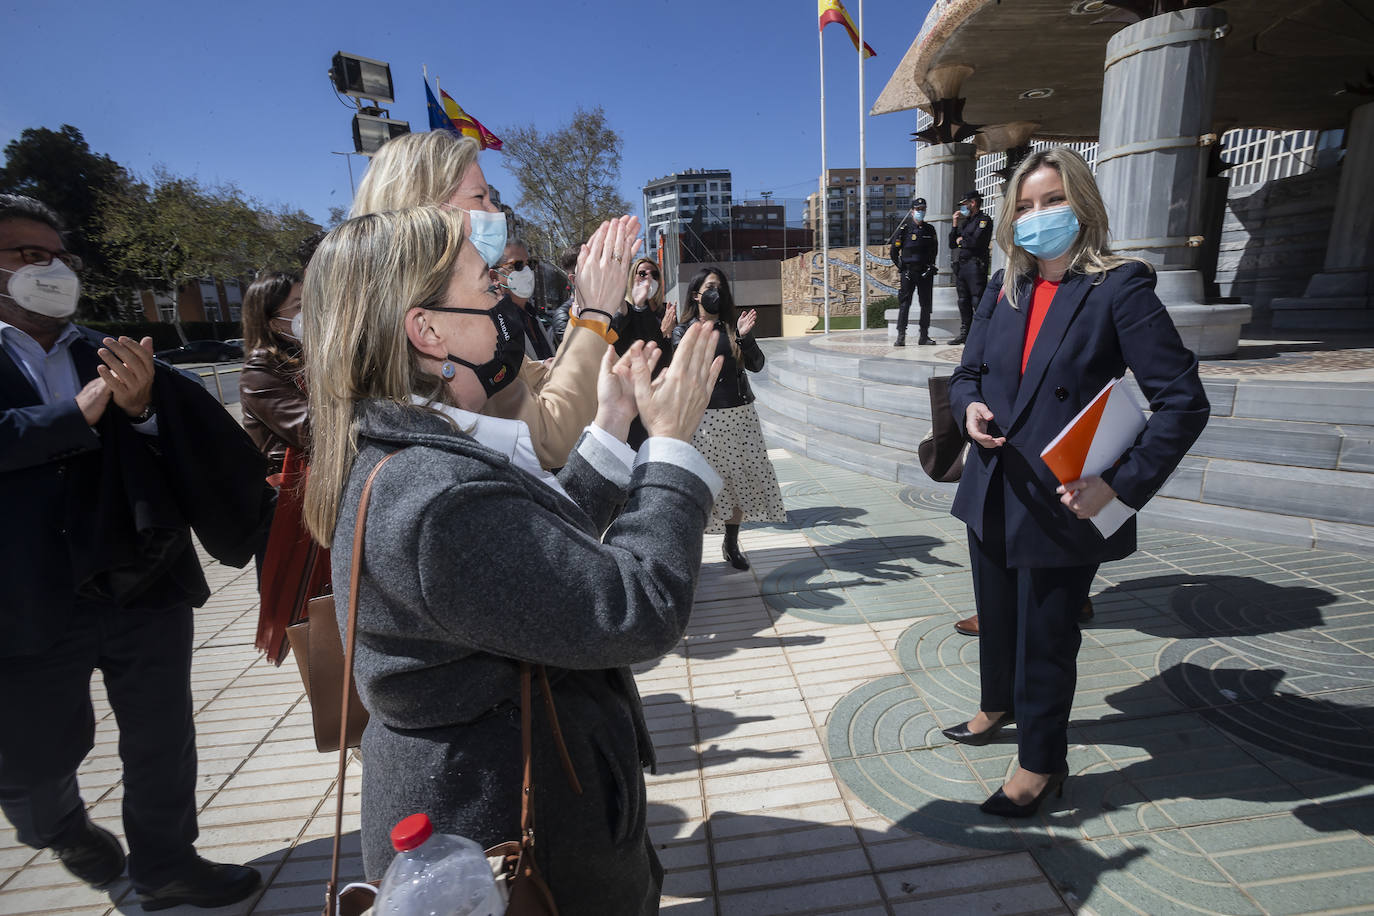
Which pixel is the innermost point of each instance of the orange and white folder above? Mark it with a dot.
(1095, 440)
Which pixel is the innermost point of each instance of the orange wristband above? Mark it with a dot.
(603, 331)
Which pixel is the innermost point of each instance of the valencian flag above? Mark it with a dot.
(467, 125)
(834, 11)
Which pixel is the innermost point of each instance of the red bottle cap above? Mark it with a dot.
(411, 832)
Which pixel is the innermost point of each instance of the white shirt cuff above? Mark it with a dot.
(148, 427)
(683, 455)
(607, 455)
(618, 449)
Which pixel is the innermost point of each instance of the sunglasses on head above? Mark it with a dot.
(646, 272)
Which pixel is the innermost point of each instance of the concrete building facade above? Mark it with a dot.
(697, 196)
(890, 192)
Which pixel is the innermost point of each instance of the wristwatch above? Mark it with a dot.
(148, 413)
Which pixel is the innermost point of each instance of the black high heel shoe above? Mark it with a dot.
(962, 734)
(1002, 806)
(734, 555)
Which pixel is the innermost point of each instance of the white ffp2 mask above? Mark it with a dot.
(50, 289)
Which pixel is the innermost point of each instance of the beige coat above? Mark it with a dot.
(556, 402)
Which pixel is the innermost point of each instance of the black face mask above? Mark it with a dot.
(710, 301)
(503, 368)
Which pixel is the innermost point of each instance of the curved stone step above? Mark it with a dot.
(1282, 423)
(1279, 460)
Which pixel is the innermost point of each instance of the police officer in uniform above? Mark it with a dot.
(970, 241)
(914, 249)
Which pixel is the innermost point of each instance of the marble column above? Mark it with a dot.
(1158, 94)
(944, 172)
(1341, 297)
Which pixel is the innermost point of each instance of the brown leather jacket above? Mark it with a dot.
(275, 408)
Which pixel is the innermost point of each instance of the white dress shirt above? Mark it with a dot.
(612, 458)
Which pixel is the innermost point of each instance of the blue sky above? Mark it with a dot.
(238, 91)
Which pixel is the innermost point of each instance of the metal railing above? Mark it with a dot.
(220, 379)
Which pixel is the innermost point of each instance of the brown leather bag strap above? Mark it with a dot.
(563, 756)
(526, 751)
(350, 640)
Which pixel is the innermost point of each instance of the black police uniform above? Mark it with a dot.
(970, 258)
(914, 251)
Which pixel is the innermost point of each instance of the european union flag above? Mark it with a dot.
(438, 120)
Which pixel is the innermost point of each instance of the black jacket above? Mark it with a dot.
(558, 322)
(103, 517)
(972, 238)
(915, 247)
(1092, 333)
(732, 385)
(644, 325)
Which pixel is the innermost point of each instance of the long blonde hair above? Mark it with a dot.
(655, 301)
(366, 275)
(414, 170)
(1091, 252)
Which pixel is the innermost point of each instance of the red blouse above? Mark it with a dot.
(1041, 298)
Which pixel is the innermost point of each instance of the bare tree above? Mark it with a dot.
(568, 178)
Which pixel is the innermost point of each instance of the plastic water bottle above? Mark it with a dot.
(436, 874)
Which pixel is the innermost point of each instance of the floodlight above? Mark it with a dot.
(362, 77)
(370, 132)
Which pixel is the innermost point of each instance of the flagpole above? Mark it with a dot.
(824, 202)
(863, 188)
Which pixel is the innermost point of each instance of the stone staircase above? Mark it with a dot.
(1281, 460)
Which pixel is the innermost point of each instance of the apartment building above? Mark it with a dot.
(890, 190)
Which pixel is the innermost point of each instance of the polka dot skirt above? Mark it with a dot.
(731, 441)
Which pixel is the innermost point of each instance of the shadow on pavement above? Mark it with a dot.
(709, 723)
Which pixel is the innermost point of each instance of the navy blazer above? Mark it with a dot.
(104, 517)
(1097, 327)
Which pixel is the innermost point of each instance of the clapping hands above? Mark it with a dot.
(603, 264)
(672, 404)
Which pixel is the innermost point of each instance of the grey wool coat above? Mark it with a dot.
(470, 566)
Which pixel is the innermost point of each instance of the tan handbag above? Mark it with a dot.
(527, 893)
(319, 651)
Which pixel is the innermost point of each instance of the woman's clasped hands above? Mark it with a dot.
(670, 405)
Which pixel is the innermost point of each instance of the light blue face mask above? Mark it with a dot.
(1047, 234)
(487, 235)
(964, 211)
(919, 214)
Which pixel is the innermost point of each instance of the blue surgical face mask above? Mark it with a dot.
(1047, 234)
(919, 214)
(964, 211)
(487, 235)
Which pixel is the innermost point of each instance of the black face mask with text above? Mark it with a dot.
(503, 368)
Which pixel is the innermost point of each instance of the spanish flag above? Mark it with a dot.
(467, 125)
(834, 11)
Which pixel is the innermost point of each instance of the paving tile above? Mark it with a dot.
(832, 896)
(801, 763)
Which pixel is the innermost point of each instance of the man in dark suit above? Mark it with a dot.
(108, 460)
(970, 242)
(913, 251)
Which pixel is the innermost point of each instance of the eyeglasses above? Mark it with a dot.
(516, 266)
(644, 274)
(42, 257)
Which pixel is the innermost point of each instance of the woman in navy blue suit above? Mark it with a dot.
(1069, 317)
